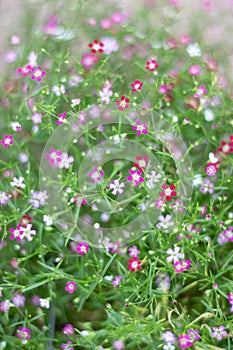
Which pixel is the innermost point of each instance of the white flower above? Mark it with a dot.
(197, 180)
(23, 157)
(75, 102)
(108, 278)
(193, 50)
(44, 303)
(3, 344)
(209, 115)
(59, 90)
(117, 186)
(212, 158)
(84, 333)
(18, 182)
(47, 220)
(16, 126)
(153, 178)
(32, 59)
(174, 255)
(169, 346)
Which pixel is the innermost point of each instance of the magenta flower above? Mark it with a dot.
(82, 248)
(60, 119)
(16, 233)
(185, 341)
(37, 73)
(68, 329)
(211, 169)
(200, 91)
(54, 157)
(7, 140)
(135, 176)
(79, 201)
(24, 334)
(67, 346)
(140, 127)
(70, 287)
(24, 71)
(181, 266)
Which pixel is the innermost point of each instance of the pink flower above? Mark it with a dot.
(96, 46)
(163, 89)
(38, 73)
(54, 157)
(135, 176)
(185, 39)
(82, 248)
(133, 251)
(24, 334)
(5, 305)
(137, 85)
(141, 128)
(96, 174)
(7, 140)
(181, 266)
(88, 60)
(134, 264)
(67, 346)
(117, 17)
(200, 91)
(36, 118)
(24, 71)
(218, 332)
(18, 300)
(70, 287)
(106, 23)
(61, 117)
(16, 233)
(79, 200)
(116, 282)
(122, 103)
(151, 65)
(4, 198)
(194, 70)
(185, 341)
(68, 329)
(168, 192)
(15, 40)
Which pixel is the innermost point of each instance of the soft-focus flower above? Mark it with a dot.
(218, 332)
